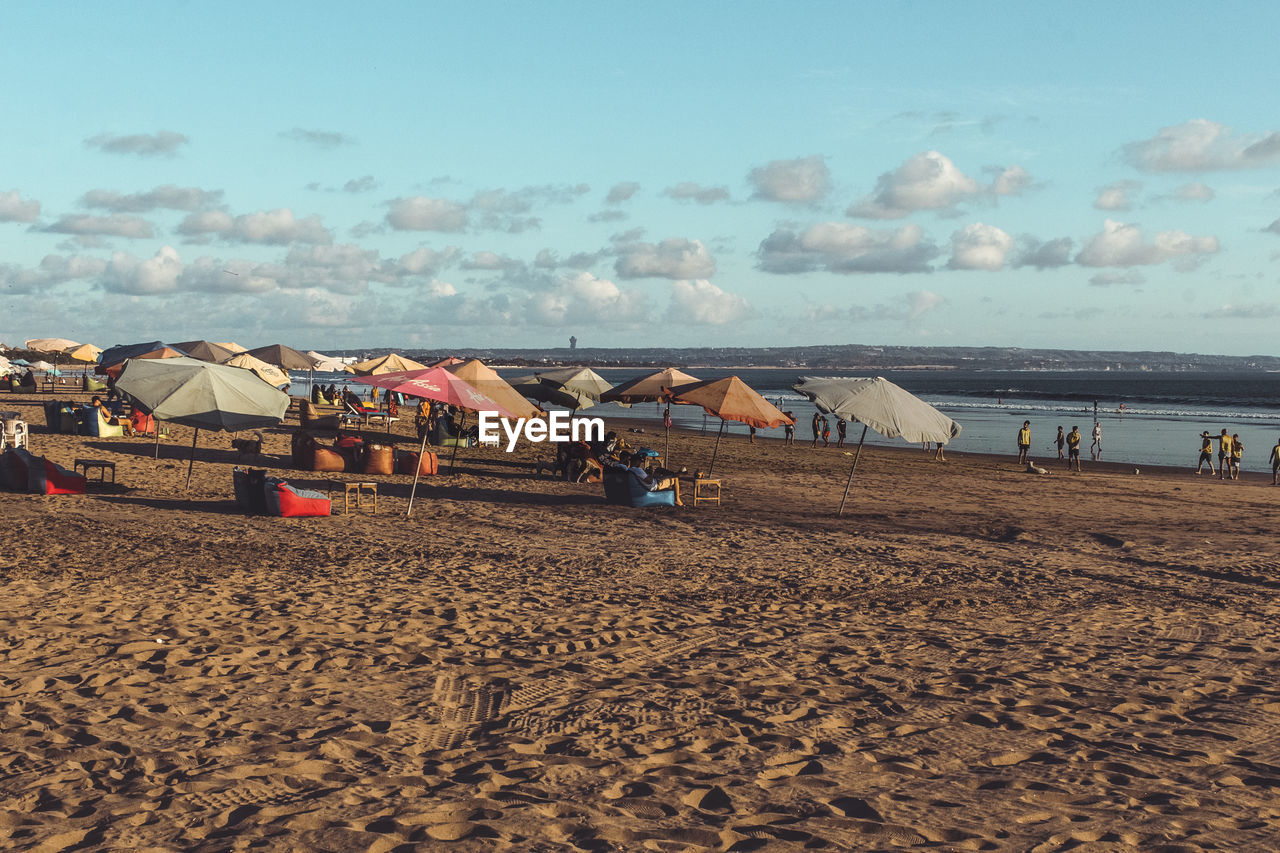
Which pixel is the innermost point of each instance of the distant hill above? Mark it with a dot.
(858, 356)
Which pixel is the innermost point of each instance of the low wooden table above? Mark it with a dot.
(101, 464)
(358, 489)
(702, 485)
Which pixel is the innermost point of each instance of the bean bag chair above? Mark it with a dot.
(407, 460)
(313, 418)
(90, 385)
(143, 424)
(377, 459)
(25, 472)
(89, 421)
(310, 455)
(625, 489)
(288, 501)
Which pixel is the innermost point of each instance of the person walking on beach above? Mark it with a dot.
(1061, 441)
(789, 429)
(1095, 448)
(841, 429)
(826, 432)
(1073, 448)
(1275, 465)
(1206, 453)
(817, 428)
(751, 437)
(1224, 455)
(1237, 454)
(1024, 443)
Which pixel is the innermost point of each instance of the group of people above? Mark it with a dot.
(1067, 443)
(1230, 454)
(822, 430)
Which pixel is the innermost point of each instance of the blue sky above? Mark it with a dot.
(667, 174)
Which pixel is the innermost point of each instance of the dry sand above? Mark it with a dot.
(974, 658)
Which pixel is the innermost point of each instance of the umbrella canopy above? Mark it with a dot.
(730, 399)
(206, 351)
(118, 353)
(284, 357)
(84, 353)
(50, 345)
(436, 383)
(532, 388)
(268, 373)
(495, 387)
(582, 383)
(647, 388)
(42, 365)
(116, 365)
(231, 345)
(878, 403)
(390, 363)
(448, 361)
(197, 394)
(326, 363)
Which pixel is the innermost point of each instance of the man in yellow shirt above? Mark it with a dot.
(1024, 443)
(1073, 448)
(1275, 465)
(1206, 453)
(1224, 455)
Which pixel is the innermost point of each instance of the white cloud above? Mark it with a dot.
(621, 192)
(689, 191)
(114, 225)
(585, 299)
(1046, 255)
(1111, 279)
(1121, 245)
(419, 213)
(1010, 181)
(344, 268)
(126, 274)
(841, 247)
(921, 302)
(805, 180)
(167, 196)
(165, 143)
(979, 247)
(490, 261)
(270, 227)
(1200, 145)
(13, 208)
(360, 185)
(675, 258)
(211, 275)
(318, 138)
(1255, 311)
(1194, 192)
(928, 181)
(427, 261)
(52, 271)
(701, 303)
(1117, 195)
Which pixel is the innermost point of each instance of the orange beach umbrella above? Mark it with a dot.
(728, 399)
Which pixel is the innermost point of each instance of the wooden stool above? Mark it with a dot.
(700, 486)
(358, 490)
(101, 464)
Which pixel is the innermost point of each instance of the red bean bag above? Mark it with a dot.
(287, 501)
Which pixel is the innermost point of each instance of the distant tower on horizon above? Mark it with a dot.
(573, 342)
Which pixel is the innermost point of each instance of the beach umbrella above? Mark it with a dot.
(21, 362)
(729, 399)
(206, 351)
(879, 404)
(326, 363)
(200, 395)
(582, 383)
(286, 358)
(390, 363)
(447, 361)
(487, 380)
(42, 365)
(116, 364)
(532, 388)
(51, 346)
(648, 389)
(231, 345)
(268, 373)
(438, 384)
(83, 353)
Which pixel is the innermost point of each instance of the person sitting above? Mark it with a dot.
(315, 394)
(108, 418)
(658, 481)
(28, 379)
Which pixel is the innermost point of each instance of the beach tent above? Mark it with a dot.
(884, 407)
(205, 351)
(390, 363)
(438, 384)
(268, 373)
(200, 395)
(728, 399)
(495, 387)
(649, 389)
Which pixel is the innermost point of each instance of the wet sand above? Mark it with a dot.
(973, 658)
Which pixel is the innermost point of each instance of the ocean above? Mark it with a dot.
(1147, 417)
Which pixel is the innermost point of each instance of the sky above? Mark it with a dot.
(1091, 176)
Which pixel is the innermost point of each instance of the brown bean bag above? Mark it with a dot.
(378, 459)
(308, 455)
(407, 459)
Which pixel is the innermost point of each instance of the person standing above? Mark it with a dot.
(817, 428)
(841, 429)
(789, 429)
(1095, 448)
(1206, 453)
(1237, 455)
(1275, 465)
(1073, 448)
(1224, 455)
(1024, 443)
(1061, 441)
(751, 439)
(826, 432)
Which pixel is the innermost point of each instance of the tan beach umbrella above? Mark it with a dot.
(729, 399)
(84, 353)
(390, 363)
(50, 345)
(232, 345)
(448, 361)
(326, 363)
(648, 389)
(582, 383)
(268, 373)
(283, 357)
(483, 377)
(206, 351)
(877, 403)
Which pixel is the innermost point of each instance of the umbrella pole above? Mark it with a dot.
(716, 449)
(856, 456)
(156, 426)
(416, 471)
(192, 463)
(462, 428)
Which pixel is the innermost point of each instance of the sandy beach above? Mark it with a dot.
(973, 658)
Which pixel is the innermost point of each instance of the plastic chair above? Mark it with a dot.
(14, 434)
